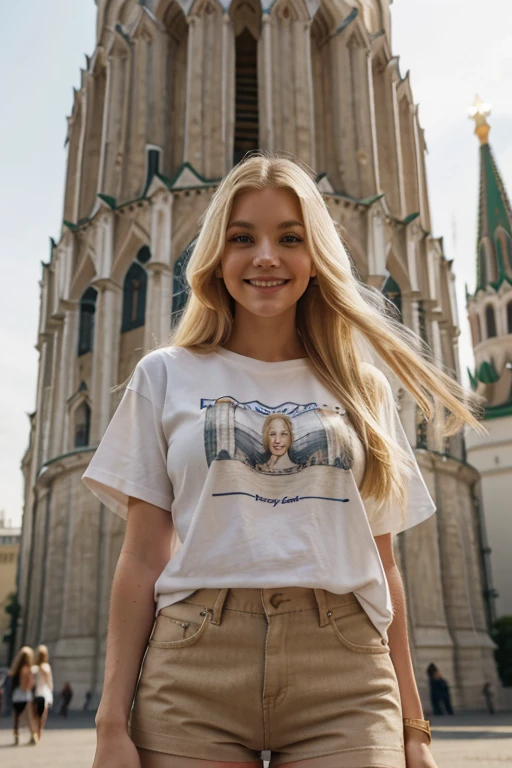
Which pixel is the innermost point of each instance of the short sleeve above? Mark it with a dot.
(131, 459)
(419, 503)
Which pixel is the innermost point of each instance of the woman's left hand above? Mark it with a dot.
(417, 752)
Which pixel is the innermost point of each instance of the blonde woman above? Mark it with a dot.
(43, 692)
(280, 616)
(277, 440)
(22, 683)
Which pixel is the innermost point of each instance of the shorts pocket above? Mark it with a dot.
(180, 625)
(354, 629)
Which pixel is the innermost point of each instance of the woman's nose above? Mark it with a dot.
(266, 255)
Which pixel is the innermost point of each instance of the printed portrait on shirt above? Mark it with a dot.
(276, 440)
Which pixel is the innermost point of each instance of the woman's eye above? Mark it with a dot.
(296, 240)
(235, 238)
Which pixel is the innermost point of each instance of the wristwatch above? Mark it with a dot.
(420, 725)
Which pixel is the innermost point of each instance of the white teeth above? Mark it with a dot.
(266, 283)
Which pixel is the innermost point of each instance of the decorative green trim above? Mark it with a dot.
(371, 200)
(110, 201)
(472, 379)
(70, 225)
(487, 373)
(85, 449)
(354, 13)
(411, 217)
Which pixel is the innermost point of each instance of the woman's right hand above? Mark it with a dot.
(116, 750)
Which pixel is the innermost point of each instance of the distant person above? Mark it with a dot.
(43, 692)
(22, 683)
(65, 699)
(440, 694)
(488, 695)
(87, 701)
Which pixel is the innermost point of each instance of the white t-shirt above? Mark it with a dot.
(207, 437)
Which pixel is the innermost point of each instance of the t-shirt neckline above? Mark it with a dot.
(261, 366)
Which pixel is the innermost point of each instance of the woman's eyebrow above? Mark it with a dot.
(283, 225)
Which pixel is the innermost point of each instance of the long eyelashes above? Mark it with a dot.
(236, 240)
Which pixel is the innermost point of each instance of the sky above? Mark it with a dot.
(452, 55)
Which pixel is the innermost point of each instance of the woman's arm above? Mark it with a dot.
(145, 552)
(27, 679)
(399, 642)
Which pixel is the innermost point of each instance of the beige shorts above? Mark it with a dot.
(301, 672)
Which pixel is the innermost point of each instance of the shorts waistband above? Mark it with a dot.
(269, 601)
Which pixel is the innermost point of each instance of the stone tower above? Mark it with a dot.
(490, 317)
(175, 93)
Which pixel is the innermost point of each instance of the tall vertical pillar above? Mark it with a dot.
(105, 354)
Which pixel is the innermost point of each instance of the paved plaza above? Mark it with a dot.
(462, 741)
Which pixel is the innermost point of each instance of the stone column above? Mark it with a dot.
(265, 80)
(105, 354)
(193, 149)
(160, 276)
(114, 107)
(364, 128)
(64, 381)
(227, 92)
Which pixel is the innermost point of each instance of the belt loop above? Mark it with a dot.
(218, 605)
(322, 606)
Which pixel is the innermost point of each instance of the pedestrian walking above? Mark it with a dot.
(43, 691)
(65, 699)
(22, 683)
(262, 448)
(87, 701)
(488, 695)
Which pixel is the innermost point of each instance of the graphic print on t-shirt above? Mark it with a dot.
(278, 443)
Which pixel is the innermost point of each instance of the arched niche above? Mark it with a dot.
(95, 90)
(490, 321)
(503, 245)
(509, 317)
(391, 290)
(171, 15)
(487, 267)
(86, 321)
(134, 292)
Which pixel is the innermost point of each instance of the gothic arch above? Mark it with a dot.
(84, 275)
(490, 321)
(289, 10)
(86, 320)
(79, 418)
(509, 316)
(136, 238)
(487, 268)
(134, 297)
(205, 8)
(95, 91)
(246, 14)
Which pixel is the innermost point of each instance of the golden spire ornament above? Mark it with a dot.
(479, 113)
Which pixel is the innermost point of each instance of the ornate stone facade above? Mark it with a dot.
(173, 95)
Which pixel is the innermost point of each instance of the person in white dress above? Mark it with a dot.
(43, 693)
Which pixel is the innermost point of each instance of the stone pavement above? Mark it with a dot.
(473, 740)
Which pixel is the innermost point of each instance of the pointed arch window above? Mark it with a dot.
(181, 288)
(509, 317)
(134, 298)
(504, 248)
(391, 291)
(246, 103)
(82, 425)
(490, 321)
(86, 324)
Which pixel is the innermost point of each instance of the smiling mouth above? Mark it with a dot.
(266, 283)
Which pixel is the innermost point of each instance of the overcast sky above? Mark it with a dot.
(452, 54)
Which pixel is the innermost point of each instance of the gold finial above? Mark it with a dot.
(479, 112)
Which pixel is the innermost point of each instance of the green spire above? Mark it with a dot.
(494, 245)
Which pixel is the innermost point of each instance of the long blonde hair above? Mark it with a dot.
(340, 320)
(24, 658)
(41, 655)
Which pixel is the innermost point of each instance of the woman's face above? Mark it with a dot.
(279, 438)
(265, 265)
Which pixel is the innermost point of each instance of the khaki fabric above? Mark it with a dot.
(300, 672)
